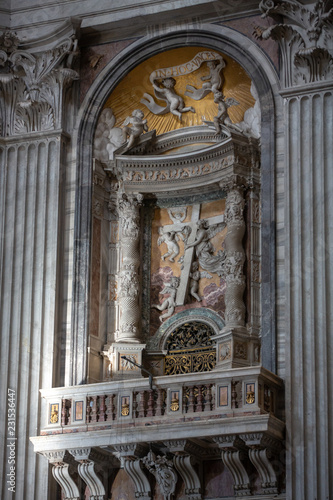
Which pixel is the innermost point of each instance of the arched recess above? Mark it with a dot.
(263, 74)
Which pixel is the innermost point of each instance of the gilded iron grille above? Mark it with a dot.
(190, 349)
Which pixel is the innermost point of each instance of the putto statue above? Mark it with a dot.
(164, 81)
(139, 126)
(213, 81)
(204, 249)
(170, 302)
(195, 276)
(222, 117)
(108, 138)
(171, 239)
(175, 103)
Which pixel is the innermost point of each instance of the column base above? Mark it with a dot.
(235, 348)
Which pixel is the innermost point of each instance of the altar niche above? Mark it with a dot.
(187, 257)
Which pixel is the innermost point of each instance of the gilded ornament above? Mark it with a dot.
(125, 409)
(54, 417)
(174, 406)
(250, 398)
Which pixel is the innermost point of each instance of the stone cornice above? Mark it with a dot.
(235, 154)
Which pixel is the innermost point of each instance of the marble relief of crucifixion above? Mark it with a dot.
(197, 244)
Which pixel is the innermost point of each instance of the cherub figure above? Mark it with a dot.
(170, 302)
(175, 102)
(195, 276)
(213, 81)
(139, 126)
(214, 78)
(204, 249)
(222, 117)
(170, 239)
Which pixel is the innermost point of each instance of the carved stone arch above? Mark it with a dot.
(259, 68)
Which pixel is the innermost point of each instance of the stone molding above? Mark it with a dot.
(236, 154)
(305, 39)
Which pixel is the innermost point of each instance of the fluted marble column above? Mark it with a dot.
(305, 39)
(32, 170)
(309, 314)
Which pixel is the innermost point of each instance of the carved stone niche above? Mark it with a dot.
(227, 164)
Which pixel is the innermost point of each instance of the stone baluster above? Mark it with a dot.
(191, 400)
(208, 398)
(150, 410)
(199, 406)
(159, 402)
(110, 408)
(234, 403)
(88, 410)
(102, 409)
(141, 406)
(94, 412)
(63, 413)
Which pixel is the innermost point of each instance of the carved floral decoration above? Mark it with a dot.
(305, 38)
(32, 85)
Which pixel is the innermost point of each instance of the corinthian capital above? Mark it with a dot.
(32, 83)
(305, 39)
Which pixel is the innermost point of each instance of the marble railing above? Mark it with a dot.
(232, 415)
(225, 394)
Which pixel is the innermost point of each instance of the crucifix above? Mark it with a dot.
(190, 248)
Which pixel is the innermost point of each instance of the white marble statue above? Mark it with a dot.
(139, 126)
(251, 124)
(164, 90)
(204, 249)
(213, 81)
(222, 117)
(195, 276)
(169, 303)
(170, 238)
(108, 138)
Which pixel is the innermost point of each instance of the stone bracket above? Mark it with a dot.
(232, 454)
(86, 470)
(61, 471)
(184, 465)
(134, 469)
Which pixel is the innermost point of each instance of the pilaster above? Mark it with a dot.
(305, 36)
(33, 148)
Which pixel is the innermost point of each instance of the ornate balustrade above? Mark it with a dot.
(232, 415)
(236, 394)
